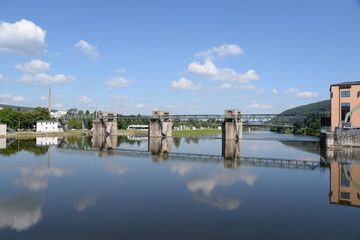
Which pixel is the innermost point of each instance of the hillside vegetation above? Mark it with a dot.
(322, 107)
(309, 125)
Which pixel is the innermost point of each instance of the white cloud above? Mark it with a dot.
(274, 90)
(57, 105)
(222, 51)
(258, 106)
(88, 49)
(306, 94)
(2, 78)
(42, 98)
(84, 99)
(13, 98)
(184, 84)
(19, 99)
(24, 37)
(44, 79)
(139, 106)
(34, 66)
(118, 82)
(121, 70)
(208, 69)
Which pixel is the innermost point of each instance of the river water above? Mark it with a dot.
(266, 186)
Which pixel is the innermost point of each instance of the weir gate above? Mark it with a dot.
(160, 124)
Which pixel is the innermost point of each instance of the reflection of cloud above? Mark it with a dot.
(116, 168)
(21, 212)
(85, 202)
(33, 176)
(183, 168)
(208, 183)
(219, 202)
(254, 148)
(33, 183)
(42, 170)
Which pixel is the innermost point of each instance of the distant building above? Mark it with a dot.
(344, 97)
(138, 127)
(184, 127)
(47, 126)
(2, 129)
(58, 114)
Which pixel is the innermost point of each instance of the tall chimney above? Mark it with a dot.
(49, 101)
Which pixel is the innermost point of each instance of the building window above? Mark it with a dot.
(358, 94)
(344, 181)
(331, 94)
(345, 108)
(345, 93)
(345, 195)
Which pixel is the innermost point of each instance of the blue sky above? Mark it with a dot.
(187, 57)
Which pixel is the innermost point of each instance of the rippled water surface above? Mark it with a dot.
(266, 186)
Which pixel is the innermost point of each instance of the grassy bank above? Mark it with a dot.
(197, 132)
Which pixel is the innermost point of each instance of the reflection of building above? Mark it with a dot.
(47, 126)
(159, 147)
(46, 141)
(344, 175)
(2, 143)
(345, 184)
(232, 153)
(104, 143)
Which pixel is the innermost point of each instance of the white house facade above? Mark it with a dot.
(47, 126)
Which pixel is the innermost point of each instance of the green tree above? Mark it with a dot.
(10, 117)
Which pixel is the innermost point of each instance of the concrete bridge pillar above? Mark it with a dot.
(160, 124)
(232, 125)
(106, 124)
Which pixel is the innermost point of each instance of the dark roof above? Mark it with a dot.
(347, 83)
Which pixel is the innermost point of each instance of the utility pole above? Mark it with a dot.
(49, 101)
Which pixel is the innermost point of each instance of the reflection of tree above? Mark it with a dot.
(20, 212)
(307, 146)
(28, 145)
(177, 141)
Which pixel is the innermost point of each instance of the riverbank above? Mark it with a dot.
(138, 133)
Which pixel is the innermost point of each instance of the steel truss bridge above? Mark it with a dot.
(248, 161)
(247, 119)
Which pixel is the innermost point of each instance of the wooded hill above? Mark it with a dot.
(322, 107)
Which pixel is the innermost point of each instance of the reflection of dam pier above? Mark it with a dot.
(159, 149)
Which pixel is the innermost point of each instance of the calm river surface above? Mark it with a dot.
(266, 186)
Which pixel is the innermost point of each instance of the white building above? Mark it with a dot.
(58, 114)
(47, 126)
(2, 129)
(138, 127)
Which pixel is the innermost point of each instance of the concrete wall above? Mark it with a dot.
(336, 101)
(2, 129)
(232, 130)
(159, 128)
(100, 127)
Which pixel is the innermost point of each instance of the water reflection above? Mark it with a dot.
(159, 147)
(20, 212)
(231, 150)
(33, 177)
(344, 166)
(85, 202)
